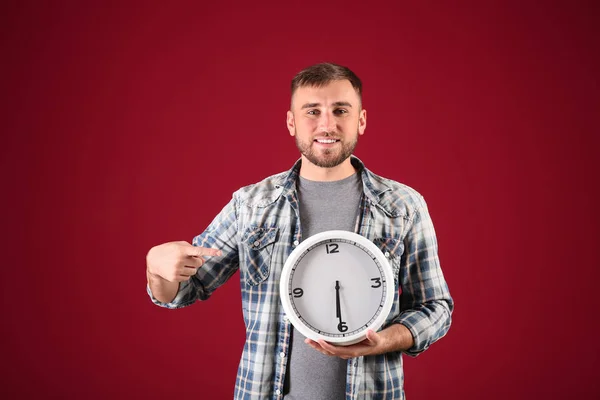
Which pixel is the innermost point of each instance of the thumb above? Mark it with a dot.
(373, 337)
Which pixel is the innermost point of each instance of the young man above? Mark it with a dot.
(326, 189)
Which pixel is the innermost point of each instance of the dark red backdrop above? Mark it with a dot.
(128, 125)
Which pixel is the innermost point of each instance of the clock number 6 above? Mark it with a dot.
(377, 282)
(342, 327)
(298, 292)
(331, 248)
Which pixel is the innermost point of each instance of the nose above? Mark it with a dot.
(327, 123)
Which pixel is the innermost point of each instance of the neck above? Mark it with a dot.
(314, 173)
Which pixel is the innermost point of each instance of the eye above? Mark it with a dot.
(340, 111)
(313, 112)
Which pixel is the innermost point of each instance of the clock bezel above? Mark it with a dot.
(320, 239)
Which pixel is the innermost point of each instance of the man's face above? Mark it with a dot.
(326, 122)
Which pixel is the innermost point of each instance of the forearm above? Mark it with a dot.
(427, 322)
(163, 290)
(395, 337)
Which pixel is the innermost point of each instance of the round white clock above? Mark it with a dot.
(335, 286)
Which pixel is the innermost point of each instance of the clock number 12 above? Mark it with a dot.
(331, 248)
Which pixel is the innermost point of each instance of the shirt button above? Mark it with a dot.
(387, 254)
(285, 318)
(282, 354)
(296, 243)
(278, 392)
(256, 244)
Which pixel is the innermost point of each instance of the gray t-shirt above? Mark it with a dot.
(324, 206)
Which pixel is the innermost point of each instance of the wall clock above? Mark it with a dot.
(335, 286)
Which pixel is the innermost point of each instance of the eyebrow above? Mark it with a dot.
(336, 104)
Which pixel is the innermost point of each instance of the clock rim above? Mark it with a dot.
(321, 237)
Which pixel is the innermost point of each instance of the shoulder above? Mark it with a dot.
(395, 198)
(262, 193)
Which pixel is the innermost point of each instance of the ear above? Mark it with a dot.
(362, 122)
(291, 124)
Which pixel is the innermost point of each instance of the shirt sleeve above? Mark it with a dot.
(221, 234)
(426, 302)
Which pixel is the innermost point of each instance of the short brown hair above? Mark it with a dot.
(324, 73)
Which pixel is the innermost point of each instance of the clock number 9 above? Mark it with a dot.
(342, 327)
(298, 292)
(377, 282)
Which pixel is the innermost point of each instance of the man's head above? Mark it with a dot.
(326, 115)
(319, 75)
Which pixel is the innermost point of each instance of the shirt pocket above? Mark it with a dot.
(258, 243)
(392, 249)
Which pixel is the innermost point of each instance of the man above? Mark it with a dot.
(326, 189)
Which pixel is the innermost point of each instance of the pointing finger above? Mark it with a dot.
(196, 251)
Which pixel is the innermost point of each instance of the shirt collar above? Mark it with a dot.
(373, 187)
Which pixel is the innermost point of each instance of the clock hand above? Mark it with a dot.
(337, 301)
(342, 327)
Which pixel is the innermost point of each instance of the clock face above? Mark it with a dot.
(335, 286)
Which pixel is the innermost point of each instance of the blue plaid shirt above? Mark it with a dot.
(258, 230)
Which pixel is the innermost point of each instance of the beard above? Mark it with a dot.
(327, 158)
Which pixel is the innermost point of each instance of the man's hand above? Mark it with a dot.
(177, 261)
(366, 347)
(396, 337)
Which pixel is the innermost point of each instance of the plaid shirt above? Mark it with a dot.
(258, 230)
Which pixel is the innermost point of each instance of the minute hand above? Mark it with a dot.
(337, 301)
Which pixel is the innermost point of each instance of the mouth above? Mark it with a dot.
(326, 141)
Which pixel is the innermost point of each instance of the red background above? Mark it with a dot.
(128, 125)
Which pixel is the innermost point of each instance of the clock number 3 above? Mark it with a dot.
(377, 282)
(331, 248)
